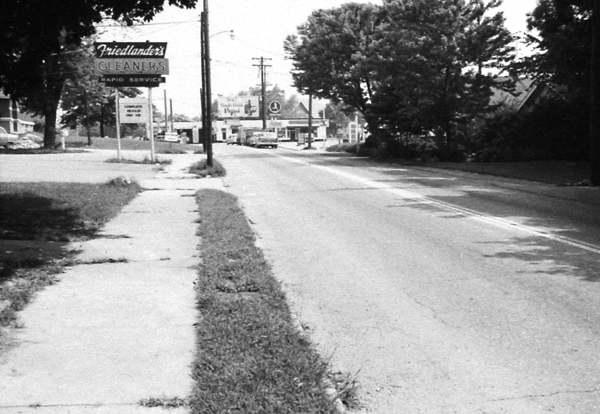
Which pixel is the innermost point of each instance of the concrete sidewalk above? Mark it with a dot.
(118, 327)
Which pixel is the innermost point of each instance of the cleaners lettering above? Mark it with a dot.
(131, 66)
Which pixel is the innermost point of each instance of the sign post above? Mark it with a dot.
(118, 109)
(151, 123)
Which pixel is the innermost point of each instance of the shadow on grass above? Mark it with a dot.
(37, 223)
(31, 217)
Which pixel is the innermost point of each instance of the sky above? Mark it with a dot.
(259, 30)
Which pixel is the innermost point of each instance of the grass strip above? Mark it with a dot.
(80, 144)
(146, 160)
(251, 358)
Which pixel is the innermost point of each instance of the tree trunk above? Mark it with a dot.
(50, 124)
(53, 90)
(595, 97)
(449, 132)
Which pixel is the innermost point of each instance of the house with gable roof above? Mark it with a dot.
(12, 119)
(525, 96)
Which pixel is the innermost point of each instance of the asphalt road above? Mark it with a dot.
(442, 292)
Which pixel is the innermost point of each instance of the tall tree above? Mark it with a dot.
(432, 61)
(560, 33)
(595, 98)
(407, 66)
(328, 54)
(568, 54)
(339, 116)
(39, 37)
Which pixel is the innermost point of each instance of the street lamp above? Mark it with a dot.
(231, 34)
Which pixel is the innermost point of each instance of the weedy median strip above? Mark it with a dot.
(250, 357)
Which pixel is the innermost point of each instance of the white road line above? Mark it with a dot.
(496, 221)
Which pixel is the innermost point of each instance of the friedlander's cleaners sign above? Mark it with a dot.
(135, 59)
(117, 50)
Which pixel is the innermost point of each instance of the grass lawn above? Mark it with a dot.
(74, 142)
(48, 213)
(550, 172)
(127, 144)
(251, 358)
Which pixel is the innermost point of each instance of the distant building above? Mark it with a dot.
(12, 119)
(293, 127)
(525, 96)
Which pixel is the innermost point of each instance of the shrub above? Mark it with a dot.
(409, 147)
(556, 129)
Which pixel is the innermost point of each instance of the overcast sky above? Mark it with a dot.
(259, 27)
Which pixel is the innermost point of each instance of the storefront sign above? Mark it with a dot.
(134, 111)
(275, 124)
(131, 66)
(132, 80)
(237, 106)
(274, 107)
(120, 50)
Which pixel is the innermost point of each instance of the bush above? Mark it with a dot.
(409, 147)
(453, 154)
(556, 129)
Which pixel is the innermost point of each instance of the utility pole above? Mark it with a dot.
(263, 83)
(206, 87)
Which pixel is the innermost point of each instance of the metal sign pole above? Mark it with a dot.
(151, 123)
(118, 123)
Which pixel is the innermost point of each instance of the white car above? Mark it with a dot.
(6, 138)
(232, 139)
(171, 137)
(263, 139)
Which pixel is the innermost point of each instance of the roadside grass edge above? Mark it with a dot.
(250, 358)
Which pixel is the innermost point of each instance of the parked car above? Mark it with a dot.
(232, 139)
(6, 138)
(171, 137)
(263, 139)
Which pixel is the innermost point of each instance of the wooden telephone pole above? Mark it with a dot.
(263, 84)
(206, 87)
